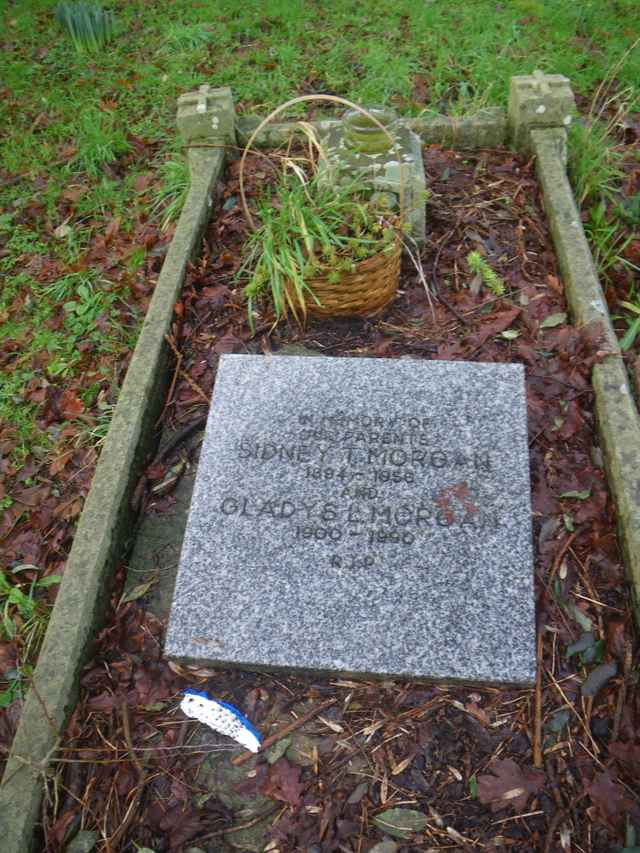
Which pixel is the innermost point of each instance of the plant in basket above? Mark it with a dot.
(322, 246)
(322, 249)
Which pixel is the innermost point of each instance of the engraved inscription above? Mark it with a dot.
(380, 474)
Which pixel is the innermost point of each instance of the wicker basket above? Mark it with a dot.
(374, 281)
(364, 292)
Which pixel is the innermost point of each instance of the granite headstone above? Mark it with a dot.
(363, 516)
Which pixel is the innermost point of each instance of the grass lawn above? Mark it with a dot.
(90, 168)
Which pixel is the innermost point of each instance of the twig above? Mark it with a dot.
(52, 725)
(553, 826)
(180, 436)
(284, 731)
(23, 176)
(584, 576)
(558, 559)
(142, 777)
(127, 736)
(39, 766)
(194, 385)
(555, 785)
(622, 693)
(436, 260)
(415, 260)
(570, 704)
(171, 342)
(516, 817)
(537, 726)
(434, 280)
(43, 765)
(240, 827)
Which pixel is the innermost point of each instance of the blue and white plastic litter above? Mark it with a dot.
(222, 718)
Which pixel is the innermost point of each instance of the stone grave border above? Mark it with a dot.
(107, 521)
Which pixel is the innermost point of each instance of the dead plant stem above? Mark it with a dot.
(537, 726)
(284, 731)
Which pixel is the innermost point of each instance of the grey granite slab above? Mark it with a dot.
(363, 516)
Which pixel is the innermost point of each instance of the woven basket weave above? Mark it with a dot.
(363, 292)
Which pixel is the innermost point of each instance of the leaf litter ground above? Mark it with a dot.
(553, 768)
(69, 328)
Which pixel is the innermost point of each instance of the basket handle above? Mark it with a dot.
(300, 99)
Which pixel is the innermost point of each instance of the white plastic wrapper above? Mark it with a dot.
(222, 718)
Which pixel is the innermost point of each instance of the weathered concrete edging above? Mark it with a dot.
(484, 129)
(104, 526)
(616, 412)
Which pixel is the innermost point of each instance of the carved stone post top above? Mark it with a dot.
(538, 100)
(207, 113)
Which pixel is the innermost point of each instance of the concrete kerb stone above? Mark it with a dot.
(104, 528)
(616, 412)
(485, 129)
(572, 249)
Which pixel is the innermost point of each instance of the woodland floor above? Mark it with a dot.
(549, 769)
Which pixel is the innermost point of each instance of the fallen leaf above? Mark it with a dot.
(104, 702)
(598, 677)
(609, 798)
(60, 462)
(74, 192)
(628, 754)
(498, 324)
(572, 422)
(228, 343)
(400, 823)
(509, 786)
(581, 618)
(275, 752)
(62, 231)
(283, 783)
(585, 642)
(616, 642)
(7, 657)
(70, 405)
(32, 496)
(216, 295)
(137, 592)
(141, 182)
(553, 320)
(358, 793)
(420, 89)
(558, 721)
(555, 284)
(112, 229)
(68, 509)
(385, 847)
